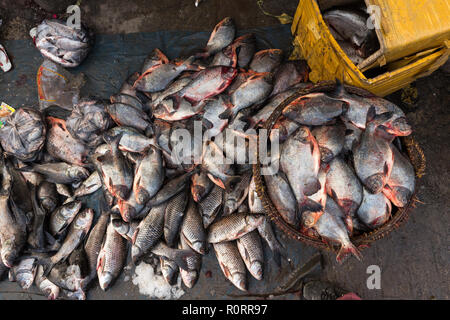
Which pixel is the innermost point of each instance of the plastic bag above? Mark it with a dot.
(23, 134)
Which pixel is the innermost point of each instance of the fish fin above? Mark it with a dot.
(149, 132)
(349, 248)
(227, 114)
(310, 205)
(112, 140)
(207, 124)
(312, 186)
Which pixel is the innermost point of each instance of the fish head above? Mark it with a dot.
(239, 280)
(398, 127)
(256, 269)
(228, 73)
(136, 252)
(105, 280)
(84, 219)
(78, 173)
(8, 253)
(52, 292)
(303, 134)
(25, 280)
(254, 219)
(400, 196)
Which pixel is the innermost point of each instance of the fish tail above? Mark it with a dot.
(346, 249)
(227, 114)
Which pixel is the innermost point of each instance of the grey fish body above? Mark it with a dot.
(201, 185)
(94, 242)
(36, 238)
(131, 139)
(23, 272)
(288, 74)
(236, 196)
(266, 232)
(126, 115)
(149, 176)
(61, 172)
(266, 60)
(234, 226)
(47, 287)
(194, 263)
(47, 196)
(330, 139)
(89, 186)
(231, 263)
(251, 250)
(125, 229)
(221, 36)
(169, 270)
(375, 209)
(173, 217)
(211, 205)
(63, 216)
(192, 228)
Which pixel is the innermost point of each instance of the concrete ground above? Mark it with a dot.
(414, 260)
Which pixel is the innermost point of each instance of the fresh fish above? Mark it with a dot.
(63, 216)
(157, 78)
(89, 186)
(62, 145)
(349, 24)
(192, 228)
(77, 232)
(251, 250)
(201, 185)
(221, 36)
(122, 98)
(253, 91)
(20, 191)
(64, 190)
(131, 140)
(125, 229)
(176, 86)
(112, 257)
(207, 83)
(375, 209)
(300, 161)
(330, 139)
(155, 58)
(282, 129)
(47, 196)
(169, 270)
(210, 206)
(173, 217)
(126, 115)
(345, 189)
(309, 218)
(288, 74)
(400, 186)
(116, 171)
(59, 172)
(148, 232)
(234, 226)
(94, 242)
(180, 257)
(314, 109)
(331, 227)
(373, 157)
(149, 176)
(227, 57)
(235, 197)
(130, 209)
(245, 46)
(354, 54)
(231, 263)
(36, 238)
(266, 60)
(47, 287)
(171, 110)
(269, 107)
(352, 137)
(213, 109)
(254, 202)
(23, 272)
(266, 232)
(282, 196)
(194, 264)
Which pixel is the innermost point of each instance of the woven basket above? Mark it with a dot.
(414, 152)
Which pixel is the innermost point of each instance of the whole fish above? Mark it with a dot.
(300, 161)
(201, 185)
(234, 226)
(207, 83)
(123, 98)
(221, 36)
(47, 287)
(155, 58)
(375, 209)
(251, 250)
(36, 238)
(131, 140)
(173, 217)
(125, 229)
(235, 197)
(314, 109)
(169, 270)
(282, 196)
(231, 263)
(266, 232)
(115, 170)
(130, 209)
(245, 46)
(192, 228)
(349, 24)
(266, 60)
(373, 157)
(288, 74)
(63, 216)
(345, 189)
(330, 139)
(176, 86)
(89, 186)
(194, 263)
(77, 232)
(400, 186)
(180, 257)
(13, 234)
(172, 110)
(94, 242)
(210, 206)
(148, 232)
(47, 196)
(62, 145)
(157, 78)
(148, 176)
(112, 257)
(331, 227)
(253, 91)
(23, 272)
(126, 115)
(59, 172)
(213, 109)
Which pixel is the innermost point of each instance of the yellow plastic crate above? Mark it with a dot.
(414, 42)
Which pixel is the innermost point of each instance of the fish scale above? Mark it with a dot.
(233, 226)
(173, 217)
(231, 263)
(251, 250)
(210, 206)
(192, 228)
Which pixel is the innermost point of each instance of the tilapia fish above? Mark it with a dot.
(221, 36)
(373, 157)
(111, 258)
(155, 58)
(231, 263)
(251, 250)
(234, 226)
(309, 218)
(127, 115)
(300, 161)
(289, 74)
(400, 186)
(192, 228)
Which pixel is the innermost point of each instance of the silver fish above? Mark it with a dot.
(266, 60)
(375, 209)
(235, 197)
(23, 272)
(221, 36)
(47, 196)
(63, 216)
(192, 228)
(251, 250)
(330, 139)
(210, 206)
(234, 226)
(89, 186)
(194, 262)
(59, 172)
(173, 217)
(47, 287)
(149, 176)
(231, 263)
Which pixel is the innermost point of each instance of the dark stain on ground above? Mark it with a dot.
(413, 259)
(22, 80)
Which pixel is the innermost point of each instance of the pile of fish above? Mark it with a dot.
(159, 202)
(350, 27)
